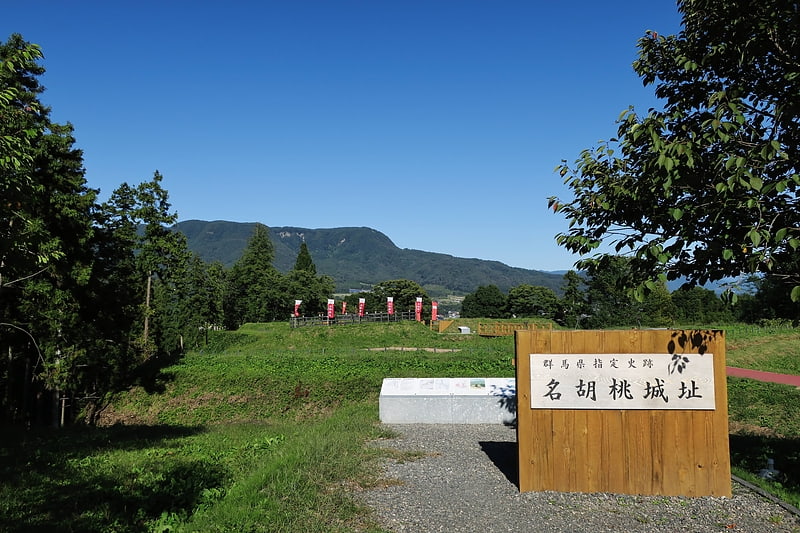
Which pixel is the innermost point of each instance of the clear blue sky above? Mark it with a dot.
(436, 122)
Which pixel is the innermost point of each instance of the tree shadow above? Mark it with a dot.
(507, 400)
(63, 481)
(688, 339)
(504, 457)
(151, 376)
(752, 452)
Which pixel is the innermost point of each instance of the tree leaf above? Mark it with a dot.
(755, 237)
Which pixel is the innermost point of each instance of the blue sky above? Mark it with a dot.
(436, 122)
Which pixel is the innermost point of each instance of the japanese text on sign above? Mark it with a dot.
(622, 381)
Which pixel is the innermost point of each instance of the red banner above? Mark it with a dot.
(390, 305)
(418, 309)
(344, 308)
(297, 307)
(362, 302)
(434, 311)
(331, 312)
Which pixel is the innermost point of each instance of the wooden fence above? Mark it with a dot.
(501, 329)
(338, 320)
(677, 452)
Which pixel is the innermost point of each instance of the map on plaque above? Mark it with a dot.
(622, 381)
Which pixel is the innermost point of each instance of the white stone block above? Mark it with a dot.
(448, 401)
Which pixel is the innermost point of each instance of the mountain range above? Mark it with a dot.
(357, 258)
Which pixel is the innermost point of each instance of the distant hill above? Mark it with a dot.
(358, 257)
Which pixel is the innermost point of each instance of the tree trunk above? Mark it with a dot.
(146, 333)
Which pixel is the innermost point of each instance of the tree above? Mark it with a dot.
(255, 289)
(611, 304)
(304, 261)
(25, 245)
(705, 188)
(304, 284)
(46, 256)
(769, 301)
(698, 306)
(405, 293)
(532, 301)
(139, 220)
(488, 301)
(572, 306)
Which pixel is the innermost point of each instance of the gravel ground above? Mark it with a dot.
(466, 481)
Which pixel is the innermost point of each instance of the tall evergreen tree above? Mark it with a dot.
(255, 289)
(139, 220)
(304, 261)
(302, 283)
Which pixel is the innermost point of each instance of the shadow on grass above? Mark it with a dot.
(504, 457)
(751, 452)
(63, 481)
(151, 375)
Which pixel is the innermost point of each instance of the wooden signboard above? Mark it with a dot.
(628, 412)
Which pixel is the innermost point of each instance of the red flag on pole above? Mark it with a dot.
(344, 308)
(390, 305)
(418, 309)
(331, 312)
(361, 304)
(434, 311)
(297, 307)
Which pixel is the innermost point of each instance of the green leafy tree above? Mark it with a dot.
(706, 187)
(769, 302)
(488, 301)
(572, 306)
(15, 131)
(610, 304)
(532, 301)
(405, 293)
(700, 306)
(26, 246)
(46, 256)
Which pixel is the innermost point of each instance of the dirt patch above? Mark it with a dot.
(412, 349)
(739, 428)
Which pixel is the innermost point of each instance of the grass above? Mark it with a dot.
(265, 428)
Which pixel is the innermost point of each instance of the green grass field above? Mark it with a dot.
(265, 429)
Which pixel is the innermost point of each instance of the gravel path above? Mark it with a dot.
(466, 482)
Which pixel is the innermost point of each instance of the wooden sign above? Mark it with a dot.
(637, 442)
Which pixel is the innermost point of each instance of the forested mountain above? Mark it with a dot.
(355, 257)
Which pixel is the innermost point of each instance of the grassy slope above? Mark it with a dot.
(264, 430)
